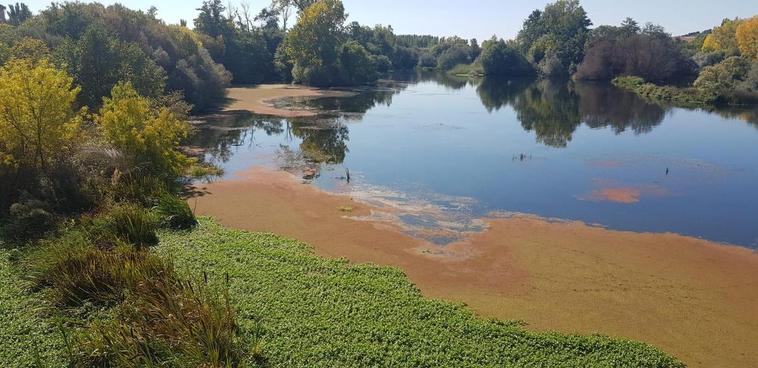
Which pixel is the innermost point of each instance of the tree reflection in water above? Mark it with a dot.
(553, 110)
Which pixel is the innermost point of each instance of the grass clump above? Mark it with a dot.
(165, 322)
(153, 318)
(175, 213)
(321, 312)
(130, 223)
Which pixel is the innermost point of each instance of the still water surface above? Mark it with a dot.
(443, 152)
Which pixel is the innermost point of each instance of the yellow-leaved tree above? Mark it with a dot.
(747, 38)
(147, 136)
(723, 38)
(38, 122)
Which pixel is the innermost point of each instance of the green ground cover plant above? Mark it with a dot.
(318, 312)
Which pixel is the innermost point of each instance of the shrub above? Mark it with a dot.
(28, 220)
(175, 213)
(733, 81)
(147, 136)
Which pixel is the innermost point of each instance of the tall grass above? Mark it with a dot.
(175, 213)
(158, 319)
(166, 323)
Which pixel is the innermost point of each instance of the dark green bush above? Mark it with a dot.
(28, 220)
(175, 213)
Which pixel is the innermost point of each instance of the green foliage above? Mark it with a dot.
(319, 312)
(312, 45)
(75, 273)
(18, 13)
(356, 65)
(554, 39)
(184, 61)
(149, 137)
(167, 323)
(98, 61)
(733, 81)
(683, 97)
(28, 339)
(131, 224)
(175, 213)
(245, 50)
(157, 319)
(498, 59)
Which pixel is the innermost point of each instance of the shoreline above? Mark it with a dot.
(555, 275)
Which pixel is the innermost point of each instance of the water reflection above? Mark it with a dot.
(554, 110)
(445, 151)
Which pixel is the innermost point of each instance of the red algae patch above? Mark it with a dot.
(611, 191)
(692, 298)
(618, 195)
(260, 99)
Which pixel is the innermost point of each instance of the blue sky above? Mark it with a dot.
(483, 18)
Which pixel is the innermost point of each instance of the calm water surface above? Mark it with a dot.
(444, 152)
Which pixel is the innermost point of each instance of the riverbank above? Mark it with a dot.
(691, 298)
(262, 99)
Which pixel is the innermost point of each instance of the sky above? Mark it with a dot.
(483, 18)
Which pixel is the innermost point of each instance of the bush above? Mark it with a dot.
(175, 213)
(733, 81)
(28, 220)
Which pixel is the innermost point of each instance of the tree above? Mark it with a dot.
(723, 38)
(18, 13)
(554, 39)
(311, 45)
(37, 120)
(148, 136)
(498, 59)
(211, 20)
(650, 53)
(177, 50)
(747, 38)
(98, 61)
(356, 65)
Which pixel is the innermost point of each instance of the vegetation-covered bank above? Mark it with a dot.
(318, 312)
(681, 97)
